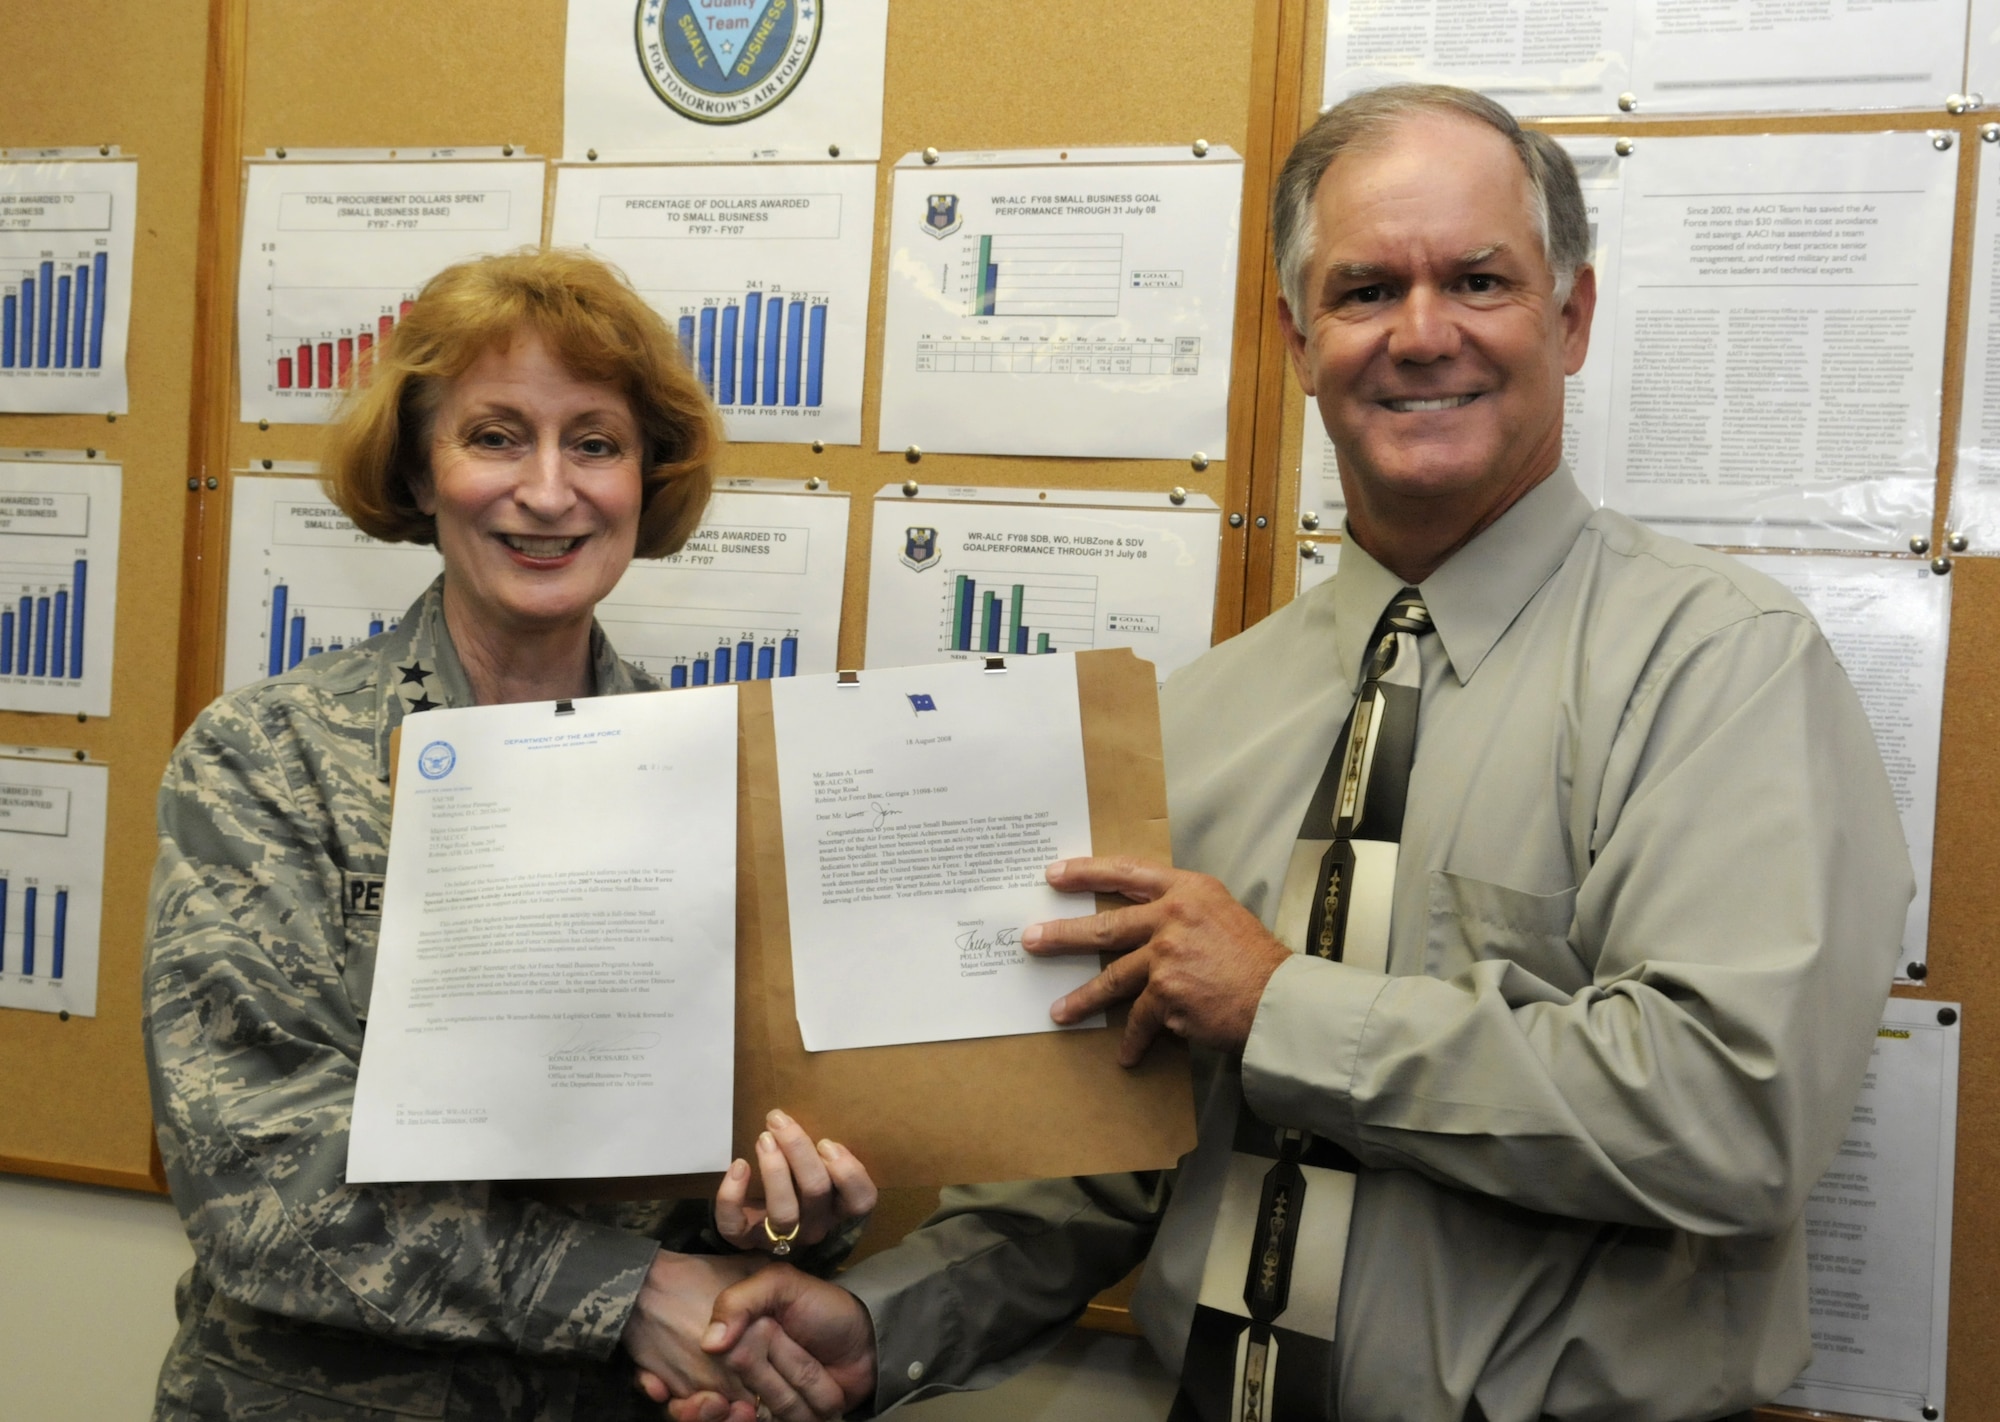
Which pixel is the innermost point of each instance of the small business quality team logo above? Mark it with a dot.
(941, 217)
(725, 61)
(434, 761)
(920, 548)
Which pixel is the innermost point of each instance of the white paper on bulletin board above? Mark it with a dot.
(761, 269)
(1541, 57)
(958, 573)
(1780, 338)
(1888, 621)
(1878, 1230)
(1069, 303)
(1975, 484)
(687, 80)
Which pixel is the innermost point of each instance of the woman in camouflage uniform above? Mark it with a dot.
(534, 419)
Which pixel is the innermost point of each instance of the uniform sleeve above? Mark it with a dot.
(252, 1046)
(990, 1282)
(1734, 933)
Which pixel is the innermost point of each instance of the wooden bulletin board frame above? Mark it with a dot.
(1967, 856)
(194, 94)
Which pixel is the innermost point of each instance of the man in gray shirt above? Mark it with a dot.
(1534, 1140)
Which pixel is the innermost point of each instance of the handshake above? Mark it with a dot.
(721, 1338)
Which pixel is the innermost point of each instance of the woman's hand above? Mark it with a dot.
(808, 1191)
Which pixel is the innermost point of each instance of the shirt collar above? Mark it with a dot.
(1481, 588)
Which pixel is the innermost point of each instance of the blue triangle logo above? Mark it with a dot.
(727, 27)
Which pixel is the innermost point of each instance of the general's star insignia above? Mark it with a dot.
(415, 672)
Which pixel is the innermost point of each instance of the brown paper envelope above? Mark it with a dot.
(940, 1113)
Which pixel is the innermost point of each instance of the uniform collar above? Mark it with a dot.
(1479, 591)
(419, 669)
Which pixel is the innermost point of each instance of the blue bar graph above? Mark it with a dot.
(795, 327)
(98, 265)
(59, 638)
(774, 320)
(815, 353)
(766, 661)
(701, 672)
(23, 652)
(753, 307)
(27, 322)
(295, 651)
(279, 595)
(724, 656)
(80, 323)
(725, 361)
(62, 932)
(7, 640)
(677, 676)
(78, 578)
(44, 318)
(10, 319)
(41, 636)
(685, 330)
(28, 931)
(706, 363)
(62, 324)
(374, 627)
(745, 651)
(788, 657)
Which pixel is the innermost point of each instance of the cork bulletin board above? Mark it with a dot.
(192, 91)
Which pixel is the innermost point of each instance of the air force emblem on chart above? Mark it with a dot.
(941, 217)
(725, 61)
(920, 548)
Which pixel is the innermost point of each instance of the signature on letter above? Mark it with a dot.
(975, 940)
(581, 1046)
(882, 813)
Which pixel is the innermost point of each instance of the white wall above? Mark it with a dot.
(87, 1309)
(86, 1300)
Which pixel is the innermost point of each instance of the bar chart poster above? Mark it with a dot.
(52, 818)
(754, 595)
(304, 580)
(333, 253)
(65, 285)
(761, 271)
(1076, 306)
(58, 585)
(1025, 572)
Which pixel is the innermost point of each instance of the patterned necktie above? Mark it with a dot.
(1261, 1344)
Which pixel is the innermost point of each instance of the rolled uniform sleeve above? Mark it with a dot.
(990, 1282)
(253, 1042)
(1675, 1041)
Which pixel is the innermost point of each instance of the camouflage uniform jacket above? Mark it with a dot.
(309, 1298)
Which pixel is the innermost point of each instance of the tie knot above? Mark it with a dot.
(1407, 613)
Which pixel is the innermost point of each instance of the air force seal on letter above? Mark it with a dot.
(920, 548)
(941, 217)
(725, 61)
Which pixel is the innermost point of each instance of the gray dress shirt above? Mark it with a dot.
(1647, 908)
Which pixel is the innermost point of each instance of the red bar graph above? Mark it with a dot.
(338, 362)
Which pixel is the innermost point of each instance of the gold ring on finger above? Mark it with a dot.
(781, 1244)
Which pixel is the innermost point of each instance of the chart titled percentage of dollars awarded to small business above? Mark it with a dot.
(760, 271)
(66, 232)
(52, 818)
(333, 254)
(58, 584)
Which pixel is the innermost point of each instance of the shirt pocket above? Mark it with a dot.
(357, 972)
(1477, 921)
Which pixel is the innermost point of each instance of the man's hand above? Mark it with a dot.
(664, 1332)
(805, 1347)
(1198, 961)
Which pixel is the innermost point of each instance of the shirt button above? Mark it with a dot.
(916, 1371)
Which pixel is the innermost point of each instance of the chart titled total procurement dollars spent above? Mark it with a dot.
(333, 253)
(1080, 304)
(65, 285)
(762, 272)
(52, 817)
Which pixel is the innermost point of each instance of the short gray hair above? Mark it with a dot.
(1368, 118)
